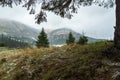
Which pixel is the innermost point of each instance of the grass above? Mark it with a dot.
(70, 62)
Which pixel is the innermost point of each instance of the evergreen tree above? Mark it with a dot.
(70, 39)
(83, 40)
(42, 40)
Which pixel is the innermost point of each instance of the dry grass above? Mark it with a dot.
(73, 62)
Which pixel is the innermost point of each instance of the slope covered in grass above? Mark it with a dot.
(73, 62)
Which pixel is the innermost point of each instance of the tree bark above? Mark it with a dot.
(117, 27)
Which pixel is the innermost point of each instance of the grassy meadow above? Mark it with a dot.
(93, 61)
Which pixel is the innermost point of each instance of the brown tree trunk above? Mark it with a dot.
(117, 27)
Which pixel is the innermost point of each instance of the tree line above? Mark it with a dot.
(71, 39)
(44, 42)
(12, 42)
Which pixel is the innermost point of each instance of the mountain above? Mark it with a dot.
(18, 30)
(59, 36)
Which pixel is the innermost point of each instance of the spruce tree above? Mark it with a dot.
(42, 40)
(83, 40)
(70, 39)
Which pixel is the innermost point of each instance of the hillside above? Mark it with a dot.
(94, 61)
(13, 42)
(59, 36)
(16, 29)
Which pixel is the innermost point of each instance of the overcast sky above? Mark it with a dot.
(96, 22)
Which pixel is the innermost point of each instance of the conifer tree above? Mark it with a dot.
(42, 40)
(83, 40)
(70, 39)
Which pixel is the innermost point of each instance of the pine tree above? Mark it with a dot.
(70, 39)
(83, 40)
(42, 40)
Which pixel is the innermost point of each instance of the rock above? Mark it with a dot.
(116, 76)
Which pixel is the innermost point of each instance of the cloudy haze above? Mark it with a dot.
(96, 22)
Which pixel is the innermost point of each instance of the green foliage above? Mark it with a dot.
(42, 40)
(70, 39)
(83, 40)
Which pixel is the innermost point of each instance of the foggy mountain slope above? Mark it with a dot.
(27, 34)
(59, 36)
(17, 29)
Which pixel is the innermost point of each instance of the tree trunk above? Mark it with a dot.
(117, 27)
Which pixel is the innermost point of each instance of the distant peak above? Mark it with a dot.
(65, 29)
